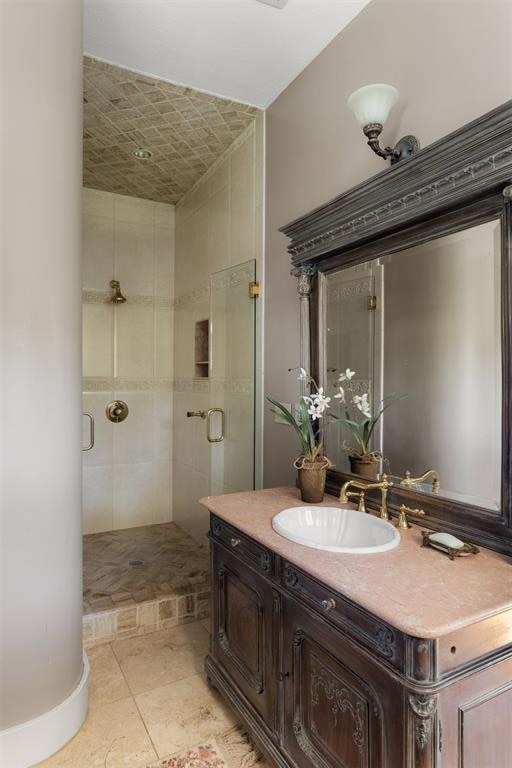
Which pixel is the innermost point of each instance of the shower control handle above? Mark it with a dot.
(199, 414)
(117, 411)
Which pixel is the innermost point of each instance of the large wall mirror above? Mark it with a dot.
(407, 278)
(421, 329)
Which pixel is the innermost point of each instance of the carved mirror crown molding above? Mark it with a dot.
(456, 183)
(467, 162)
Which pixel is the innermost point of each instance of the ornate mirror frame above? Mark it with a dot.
(462, 180)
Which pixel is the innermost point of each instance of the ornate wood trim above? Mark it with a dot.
(422, 726)
(473, 159)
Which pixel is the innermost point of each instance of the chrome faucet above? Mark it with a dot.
(384, 486)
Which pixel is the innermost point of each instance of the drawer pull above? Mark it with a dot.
(328, 605)
(235, 542)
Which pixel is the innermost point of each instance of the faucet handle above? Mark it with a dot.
(361, 506)
(402, 521)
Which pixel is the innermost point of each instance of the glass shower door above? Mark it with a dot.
(230, 421)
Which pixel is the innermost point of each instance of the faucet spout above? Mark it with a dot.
(385, 484)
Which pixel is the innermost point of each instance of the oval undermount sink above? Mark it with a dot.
(336, 529)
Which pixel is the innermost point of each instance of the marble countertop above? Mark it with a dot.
(415, 589)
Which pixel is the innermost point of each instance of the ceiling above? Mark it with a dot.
(186, 132)
(242, 50)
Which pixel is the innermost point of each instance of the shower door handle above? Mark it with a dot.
(209, 424)
(91, 433)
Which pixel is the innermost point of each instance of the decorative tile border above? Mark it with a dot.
(191, 385)
(116, 384)
(143, 618)
(206, 386)
(190, 298)
(138, 300)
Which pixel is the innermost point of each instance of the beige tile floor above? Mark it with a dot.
(148, 699)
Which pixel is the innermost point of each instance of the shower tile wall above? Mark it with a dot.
(218, 225)
(127, 354)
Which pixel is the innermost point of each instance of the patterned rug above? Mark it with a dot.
(205, 755)
(228, 750)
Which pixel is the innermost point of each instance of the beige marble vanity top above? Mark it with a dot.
(417, 590)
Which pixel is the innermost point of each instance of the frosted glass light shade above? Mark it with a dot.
(372, 103)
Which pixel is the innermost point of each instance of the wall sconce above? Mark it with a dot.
(371, 106)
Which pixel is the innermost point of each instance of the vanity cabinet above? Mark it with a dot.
(338, 704)
(322, 683)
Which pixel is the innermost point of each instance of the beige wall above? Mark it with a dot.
(218, 225)
(127, 355)
(40, 366)
(451, 62)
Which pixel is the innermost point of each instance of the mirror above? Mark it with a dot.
(423, 325)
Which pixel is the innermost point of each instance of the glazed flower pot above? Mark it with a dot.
(367, 468)
(312, 478)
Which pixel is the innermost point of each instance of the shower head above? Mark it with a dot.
(118, 297)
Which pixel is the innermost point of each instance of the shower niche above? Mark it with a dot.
(201, 348)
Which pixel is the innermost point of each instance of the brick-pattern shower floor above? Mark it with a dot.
(139, 580)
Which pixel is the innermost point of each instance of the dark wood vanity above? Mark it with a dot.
(322, 682)
(401, 659)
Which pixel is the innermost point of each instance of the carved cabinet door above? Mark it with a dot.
(342, 710)
(243, 630)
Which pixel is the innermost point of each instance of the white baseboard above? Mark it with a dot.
(29, 743)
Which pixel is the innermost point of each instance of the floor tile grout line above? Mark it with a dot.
(158, 755)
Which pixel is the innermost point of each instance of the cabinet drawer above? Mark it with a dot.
(362, 626)
(241, 545)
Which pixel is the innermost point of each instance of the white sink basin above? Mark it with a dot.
(336, 529)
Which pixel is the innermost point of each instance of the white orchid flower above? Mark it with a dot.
(317, 403)
(347, 375)
(340, 395)
(302, 375)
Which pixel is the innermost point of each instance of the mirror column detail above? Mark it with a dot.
(304, 275)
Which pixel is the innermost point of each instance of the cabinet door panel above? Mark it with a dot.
(339, 707)
(242, 630)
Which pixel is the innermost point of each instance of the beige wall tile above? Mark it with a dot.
(164, 261)
(219, 178)
(97, 252)
(162, 491)
(133, 209)
(133, 438)
(98, 340)
(163, 343)
(102, 452)
(164, 215)
(133, 495)
(134, 256)
(98, 499)
(97, 203)
(219, 230)
(139, 333)
(242, 212)
(135, 341)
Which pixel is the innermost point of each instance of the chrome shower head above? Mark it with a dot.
(118, 297)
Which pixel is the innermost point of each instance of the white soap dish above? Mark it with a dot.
(450, 545)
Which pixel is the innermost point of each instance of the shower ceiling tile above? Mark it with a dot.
(186, 131)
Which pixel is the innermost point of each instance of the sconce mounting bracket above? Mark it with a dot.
(404, 148)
